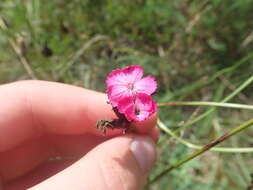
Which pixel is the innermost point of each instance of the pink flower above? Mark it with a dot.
(131, 94)
(127, 82)
(137, 108)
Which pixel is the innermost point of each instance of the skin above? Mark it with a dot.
(43, 120)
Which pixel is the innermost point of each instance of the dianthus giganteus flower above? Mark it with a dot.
(130, 94)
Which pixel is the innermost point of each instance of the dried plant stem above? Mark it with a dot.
(18, 52)
(201, 83)
(22, 59)
(205, 148)
(80, 52)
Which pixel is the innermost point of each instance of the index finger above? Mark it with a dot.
(35, 108)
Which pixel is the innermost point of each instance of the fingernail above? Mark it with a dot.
(144, 151)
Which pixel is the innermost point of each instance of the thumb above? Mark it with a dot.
(119, 163)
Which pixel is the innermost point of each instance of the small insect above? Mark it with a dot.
(103, 124)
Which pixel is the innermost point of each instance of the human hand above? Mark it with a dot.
(41, 120)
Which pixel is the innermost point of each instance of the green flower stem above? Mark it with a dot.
(226, 99)
(216, 104)
(205, 148)
(201, 83)
(194, 146)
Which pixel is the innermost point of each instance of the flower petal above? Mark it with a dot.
(131, 115)
(116, 93)
(125, 103)
(124, 76)
(144, 102)
(140, 109)
(146, 85)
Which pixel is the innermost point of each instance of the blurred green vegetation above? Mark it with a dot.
(198, 50)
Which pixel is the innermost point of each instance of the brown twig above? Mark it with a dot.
(236, 130)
